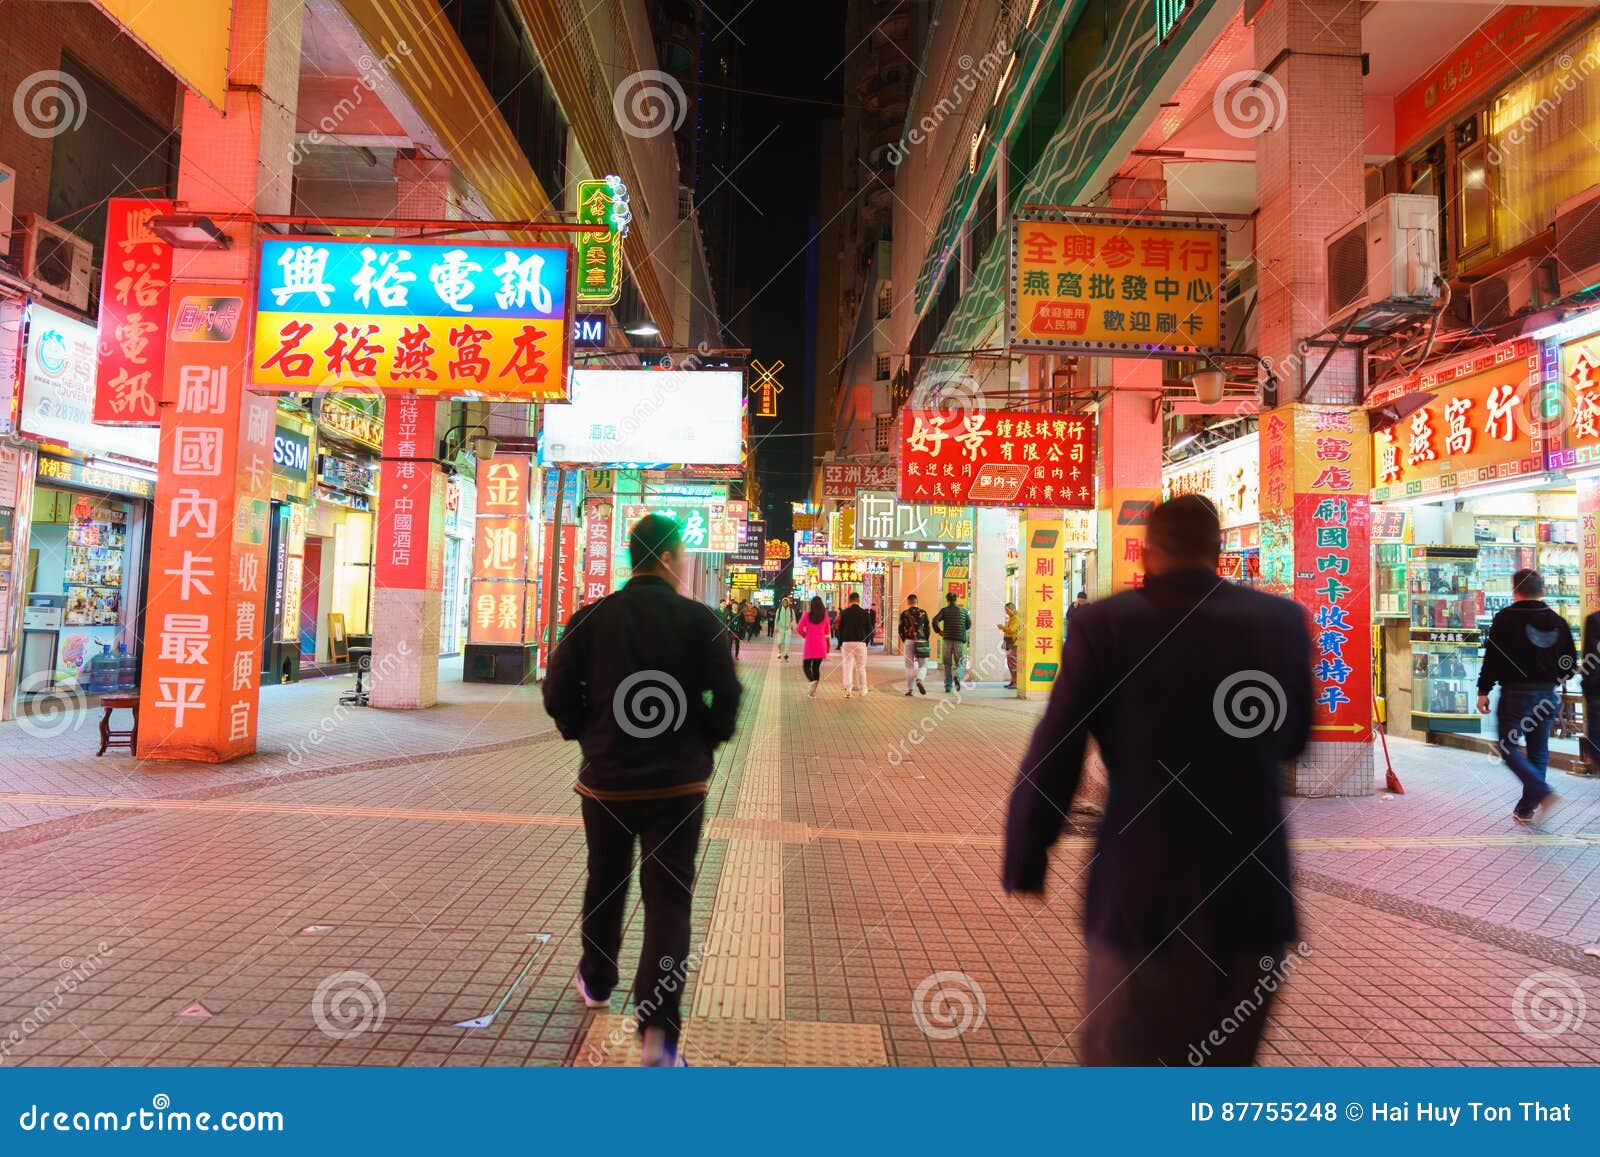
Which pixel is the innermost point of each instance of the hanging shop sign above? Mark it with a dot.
(589, 331)
(135, 291)
(597, 530)
(620, 418)
(883, 522)
(692, 515)
(839, 570)
(75, 473)
(410, 542)
(1087, 283)
(997, 459)
(1580, 405)
(845, 479)
(413, 316)
(1486, 420)
(1497, 50)
(777, 550)
(500, 588)
(350, 422)
(601, 201)
(724, 530)
(752, 544)
(1079, 530)
(766, 388)
(58, 387)
(291, 459)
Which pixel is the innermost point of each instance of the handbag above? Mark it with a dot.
(923, 649)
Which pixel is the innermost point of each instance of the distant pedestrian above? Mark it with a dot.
(855, 631)
(784, 619)
(1529, 652)
(1077, 605)
(730, 622)
(642, 680)
(915, 635)
(747, 615)
(951, 624)
(1195, 690)
(813, 628)
(833, 621)
(770, 614)
(1589, 680)
(1008, 639)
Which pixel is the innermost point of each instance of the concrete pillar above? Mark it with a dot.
(1315, 459)
(1129, 452)
(408, 558)
(205, 615)
(988, 600)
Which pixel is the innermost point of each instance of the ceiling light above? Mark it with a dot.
(189, 231)
(484, 447)
(1208, 385)
(643, 329)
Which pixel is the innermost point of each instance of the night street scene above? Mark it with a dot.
(973, 573)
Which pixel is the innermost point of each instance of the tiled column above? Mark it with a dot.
(1129, 450)
(205, 618)
(1315, 459)
(408, 559)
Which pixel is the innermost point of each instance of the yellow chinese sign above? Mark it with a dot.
(1043, 615)
(766, 388)
(601, 202)
(1120, 286)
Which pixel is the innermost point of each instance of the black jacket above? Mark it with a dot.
(952, 623)
(1189, 679)
(1527, 643)
(628, 682)
(855, 625)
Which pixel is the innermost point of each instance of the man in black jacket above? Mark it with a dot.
(854, 632)
(629, 682)
(1188, 909)
(1529, 653)
(951, 624)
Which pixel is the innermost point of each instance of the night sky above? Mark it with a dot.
(789, 52)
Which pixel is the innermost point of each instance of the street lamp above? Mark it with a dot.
(484, 445)
(1210, 383)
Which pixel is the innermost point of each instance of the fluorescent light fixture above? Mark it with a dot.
(189, 231)
(1181, 443)
(644, 329)
(1582, 325)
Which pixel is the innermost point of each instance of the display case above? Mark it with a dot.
(1446, 602)
(1389, 581)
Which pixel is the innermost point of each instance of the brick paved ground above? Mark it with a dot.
(424, 870)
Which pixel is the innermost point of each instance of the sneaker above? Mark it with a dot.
(590, 1000)
(1547, 805)
(1520, 818)
(657, 1052)
(958, 685)
(921, 690)
(1011, 687)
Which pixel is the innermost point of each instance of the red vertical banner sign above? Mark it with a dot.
(1316, 464)
(500, 556)
(565, 577)
(206, 609)
(597, 531)
(407, 522)
(135, 293)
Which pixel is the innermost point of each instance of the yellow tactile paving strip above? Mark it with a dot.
(742, 971)
(740, 829)
(720, 1042)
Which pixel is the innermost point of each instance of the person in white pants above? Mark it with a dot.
(854, 631)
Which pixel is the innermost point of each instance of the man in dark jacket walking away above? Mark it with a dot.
(854, 631)
(1195, 690)
(1589, 672)
(1529, 652)
(629, 682)
(951, 624)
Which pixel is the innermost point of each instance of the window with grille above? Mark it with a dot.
(883, 367)
(881, 426)
(885, 301)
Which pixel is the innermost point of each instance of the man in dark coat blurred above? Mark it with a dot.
(1196, 690)
(630, 681)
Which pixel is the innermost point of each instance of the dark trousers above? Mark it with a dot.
(812, 668)
(1527, 714)
(1173, 1007)
(668, 831)
(733, 640)
(1589, 743)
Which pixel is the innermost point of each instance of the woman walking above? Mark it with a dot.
(813, 628)
(785, 624)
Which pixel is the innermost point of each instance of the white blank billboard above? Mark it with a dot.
(647, 418)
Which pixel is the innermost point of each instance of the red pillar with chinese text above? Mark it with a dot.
(408, 558)
(205, 614)
(1129, 437)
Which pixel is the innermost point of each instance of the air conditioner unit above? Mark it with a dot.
(1528, 285)
(1578, 241)
(55, 261)
(1389, 255)
(8, 201)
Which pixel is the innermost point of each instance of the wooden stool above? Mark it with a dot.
(110, 738)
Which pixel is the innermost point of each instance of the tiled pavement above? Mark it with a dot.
(356, 908)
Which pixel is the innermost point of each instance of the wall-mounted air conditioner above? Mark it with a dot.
(1528, 285)
(1389, 255)
(1578, 241)
(57, 262)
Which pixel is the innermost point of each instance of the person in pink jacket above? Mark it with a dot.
(813, 628)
